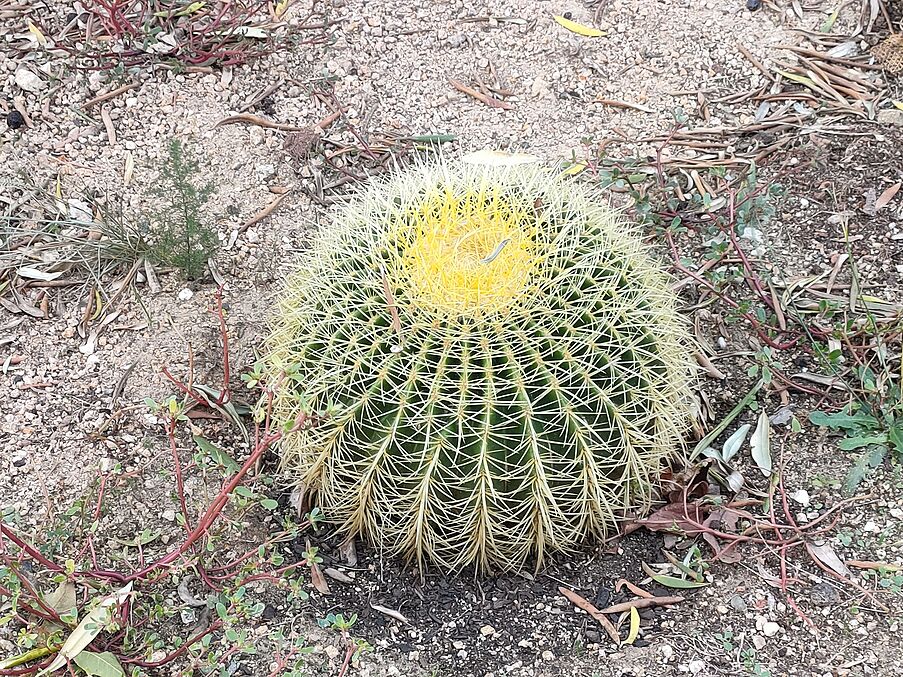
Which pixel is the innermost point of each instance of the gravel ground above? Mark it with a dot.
(390, 65)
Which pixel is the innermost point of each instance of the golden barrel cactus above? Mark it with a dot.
(502, 363)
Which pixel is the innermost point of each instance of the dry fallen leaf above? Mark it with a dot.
(826, 555)
(316, 577)
(588, 607)
(389, 612)
(579, 29)
(761, 444)
(887, 196)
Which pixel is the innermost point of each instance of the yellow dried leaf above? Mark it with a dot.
(579, 29)
(634, 626)
(898, 104)
(574, 169)
(280, 8)
(38, 35)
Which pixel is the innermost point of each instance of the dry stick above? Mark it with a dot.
(641, 603)
(110, 95)
(260, 97)
(755, 62)
(265, 212)
(850, 75)
(259, 121)
(623, 104)
(827, 57)
(579, 601)
(479, 96)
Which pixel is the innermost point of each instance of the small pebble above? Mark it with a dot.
(14, 119)
(770, 628)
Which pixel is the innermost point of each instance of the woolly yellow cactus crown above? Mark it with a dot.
(502, 364)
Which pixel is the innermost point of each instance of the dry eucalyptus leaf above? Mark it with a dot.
(761, 444)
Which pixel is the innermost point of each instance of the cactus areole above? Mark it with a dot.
(498, 366)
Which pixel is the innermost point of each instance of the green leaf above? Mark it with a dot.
(801, 79)
(842, 420)
(634, 626)
(99, 664)
(849, 443)
(244, 491)
(733, 443)
(269, 504)
(872, 458)
(895, 436)
(672, 581)
(218, 455)
(830, 21)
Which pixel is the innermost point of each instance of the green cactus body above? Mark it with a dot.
(503, 363)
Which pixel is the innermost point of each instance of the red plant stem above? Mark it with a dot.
(168, 658)
(758, 326)
(180, 482)
(182, 387)
(349, 652)
(17, 672)
(751, 278)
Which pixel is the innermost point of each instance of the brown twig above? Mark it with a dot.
(479, 96)
(265, 212)
(641, 603)
(588, 607)
(110, 95)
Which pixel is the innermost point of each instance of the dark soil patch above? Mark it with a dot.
(462, 625)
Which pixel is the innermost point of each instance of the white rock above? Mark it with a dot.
(185, 294)
(255, 135)
(29, 81)
(548, 655)
(802, 497)
(264, 171)
(667, 651)
(169, 515)
(770, 628)
(758, 642)
(487, 630)
(696, 667)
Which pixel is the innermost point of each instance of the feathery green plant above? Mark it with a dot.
(497, 366)
(179, 237)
